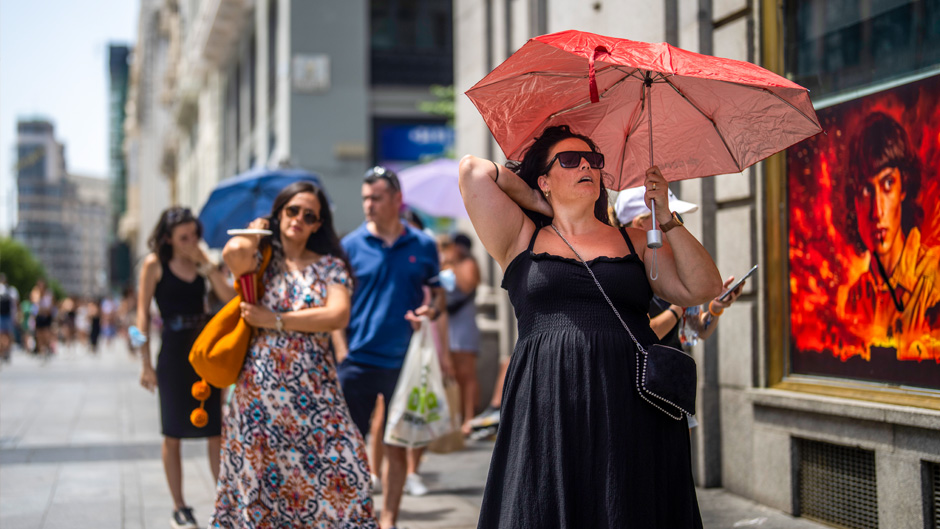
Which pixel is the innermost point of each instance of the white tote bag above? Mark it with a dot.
(418, 412)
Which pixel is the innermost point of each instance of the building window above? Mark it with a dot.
(412, 42)
(252, 82)
(31, 161)
(231, 126)
(837, 45)
(272, 54)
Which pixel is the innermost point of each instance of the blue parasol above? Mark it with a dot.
(245, 197)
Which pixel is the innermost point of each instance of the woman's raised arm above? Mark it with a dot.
(494, 197)
(240, 251)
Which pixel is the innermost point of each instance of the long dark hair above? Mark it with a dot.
(323, 241)
(882, 143)
(533, 165)
(159, 241)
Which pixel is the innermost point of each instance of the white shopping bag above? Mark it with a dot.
(418, 412)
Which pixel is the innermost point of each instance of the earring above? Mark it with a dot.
(546, 193)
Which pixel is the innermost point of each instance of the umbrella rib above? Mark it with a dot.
(632, 73)
(569, 109)
(710, 120)
(618, 83)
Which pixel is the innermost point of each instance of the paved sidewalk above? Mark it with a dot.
(80, 448)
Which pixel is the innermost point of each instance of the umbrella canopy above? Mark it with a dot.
(243, 198)
(432, 188)
(703, 115)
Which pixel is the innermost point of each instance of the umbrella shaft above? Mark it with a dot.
(649, 114)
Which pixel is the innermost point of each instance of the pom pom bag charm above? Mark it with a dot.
(201, 391)
(199, 417)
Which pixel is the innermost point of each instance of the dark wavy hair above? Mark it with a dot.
(881, 143)
(323, 241)
(536, 158)
(159, 241)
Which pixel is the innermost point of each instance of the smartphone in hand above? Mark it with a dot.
(736, 284)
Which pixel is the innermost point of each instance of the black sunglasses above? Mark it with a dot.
(571, 159)
(310, 218)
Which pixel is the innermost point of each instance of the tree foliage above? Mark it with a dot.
(23, 269)
(443, 105)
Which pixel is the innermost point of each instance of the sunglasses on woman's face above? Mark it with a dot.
(310, 218)
(571, 159)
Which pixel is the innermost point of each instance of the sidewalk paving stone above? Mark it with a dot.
(80, 447)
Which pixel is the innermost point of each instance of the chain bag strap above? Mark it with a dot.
(662, 373)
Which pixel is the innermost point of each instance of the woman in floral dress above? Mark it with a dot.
(292, 456)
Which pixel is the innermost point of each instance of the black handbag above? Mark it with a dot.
(665, 376)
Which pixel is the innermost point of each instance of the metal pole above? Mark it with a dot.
(654, 237)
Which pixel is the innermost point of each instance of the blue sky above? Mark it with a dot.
(53, 63)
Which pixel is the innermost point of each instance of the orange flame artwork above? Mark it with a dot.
(864, 240)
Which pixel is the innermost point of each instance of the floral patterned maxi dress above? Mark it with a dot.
(292, 456)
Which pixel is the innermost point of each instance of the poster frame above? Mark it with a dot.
(777, 371)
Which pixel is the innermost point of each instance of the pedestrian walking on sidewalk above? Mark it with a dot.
(9, 316)
(43, 317)
(172, 275)
(292, 455)
(392, 262)
(463, 333)
(577, 446)
(93, 309)
(414, 484)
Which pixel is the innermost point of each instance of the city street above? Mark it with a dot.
(80, 448)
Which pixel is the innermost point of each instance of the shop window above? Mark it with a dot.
(863, 303)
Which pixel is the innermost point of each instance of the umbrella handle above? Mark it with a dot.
(654, 237)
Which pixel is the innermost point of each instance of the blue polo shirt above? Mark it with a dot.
(388, 283)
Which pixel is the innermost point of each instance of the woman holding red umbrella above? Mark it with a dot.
(577, 446)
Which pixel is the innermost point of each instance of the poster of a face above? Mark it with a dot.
(864, 240)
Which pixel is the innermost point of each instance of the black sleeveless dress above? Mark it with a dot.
(182, 308)
(577, 447)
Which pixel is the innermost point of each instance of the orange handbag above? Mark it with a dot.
(219, 351)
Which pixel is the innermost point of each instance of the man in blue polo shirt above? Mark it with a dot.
(392, 263)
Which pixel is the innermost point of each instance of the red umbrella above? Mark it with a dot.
(707, 115)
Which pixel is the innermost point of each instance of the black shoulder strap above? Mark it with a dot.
(626, 237)
(534, 235)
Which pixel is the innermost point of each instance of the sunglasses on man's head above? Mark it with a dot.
(571, 159)
(379, 172)
(310, 218)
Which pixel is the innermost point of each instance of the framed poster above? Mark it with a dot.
(864, 240)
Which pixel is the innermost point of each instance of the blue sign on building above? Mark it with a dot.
(411, 142)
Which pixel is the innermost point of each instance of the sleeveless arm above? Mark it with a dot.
(494, 207)
(150, 273)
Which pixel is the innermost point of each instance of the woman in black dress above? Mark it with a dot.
(173, 274)
(577, 446)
